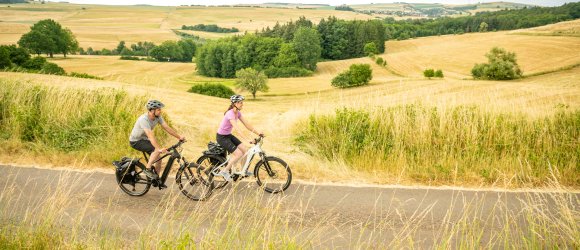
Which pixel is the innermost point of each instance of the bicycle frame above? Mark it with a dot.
(173, 155)
(250, 154)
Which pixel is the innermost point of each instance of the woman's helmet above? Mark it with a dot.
(237, 98)
(154, 104)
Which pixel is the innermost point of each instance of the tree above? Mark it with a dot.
(483, 27)
(120, 47)
(371, 49)
(502, 65)
(438, 73)
(251, 80)
(287, 56)
(307, 44)
(4, 57)
(68, 43)
(48, 36)
(167, 51)
(37, 42)
(188, 49)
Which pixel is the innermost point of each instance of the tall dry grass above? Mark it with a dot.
(462, 144)
(89, 124)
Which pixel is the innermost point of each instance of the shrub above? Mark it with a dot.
(370, 49)
(35, 63)
(134, 58)
(380, 61)
(5, 58)
(439, 73)
(212, 89)
(429, 73)
(274, 72)
(356, 75)
(52, 69)
(502, 65)
(84, 75)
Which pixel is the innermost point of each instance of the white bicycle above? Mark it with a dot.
(272, 173)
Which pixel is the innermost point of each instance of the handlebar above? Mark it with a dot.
(258, 140)
(178, 144)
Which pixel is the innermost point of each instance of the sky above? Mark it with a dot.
(330, 2)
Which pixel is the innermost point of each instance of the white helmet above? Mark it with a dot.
(237, 98)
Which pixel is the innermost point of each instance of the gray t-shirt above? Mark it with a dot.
(143, 122)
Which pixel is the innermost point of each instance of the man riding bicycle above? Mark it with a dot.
(143, 139)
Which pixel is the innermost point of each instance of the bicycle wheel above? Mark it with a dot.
(190, 185)
(138, 184)
(206, 163)
(273, 174)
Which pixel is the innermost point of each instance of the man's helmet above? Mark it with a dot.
(154, 104)
(237, 98)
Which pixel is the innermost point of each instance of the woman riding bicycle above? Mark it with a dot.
(228, 141)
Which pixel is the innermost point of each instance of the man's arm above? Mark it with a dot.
(172, 131)
(152, 139)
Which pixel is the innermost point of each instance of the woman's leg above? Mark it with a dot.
(236, 155)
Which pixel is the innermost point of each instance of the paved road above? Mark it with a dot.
(327, 216)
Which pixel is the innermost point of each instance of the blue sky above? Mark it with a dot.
(331, 2)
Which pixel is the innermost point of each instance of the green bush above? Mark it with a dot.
(273, 72)
(439, 73)
(5, 58)
(52, 69)
(84, 75)
(502, 65)
(212, 89)
(370, 49)
(356, 75)
(429, 73)
(35, 63)
(380, 61)
(133, 58)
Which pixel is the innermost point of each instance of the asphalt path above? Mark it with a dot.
(321, 215)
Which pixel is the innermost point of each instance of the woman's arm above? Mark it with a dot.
(249, 126)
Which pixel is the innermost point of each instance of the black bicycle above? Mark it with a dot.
(133, 180)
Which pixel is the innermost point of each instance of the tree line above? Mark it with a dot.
(290, 50)
(494, 21)
(210, 28)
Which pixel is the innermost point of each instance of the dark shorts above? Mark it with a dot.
(143, 146)
(229, 142)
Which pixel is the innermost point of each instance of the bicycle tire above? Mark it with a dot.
(207, 163)
(140, 178)
(271, 183)
(190, 185)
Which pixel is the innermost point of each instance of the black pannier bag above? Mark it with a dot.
(125, 170)
(215, 149)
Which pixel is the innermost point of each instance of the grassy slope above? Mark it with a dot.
(293, 99)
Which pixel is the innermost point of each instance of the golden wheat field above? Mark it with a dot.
(100, 26)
